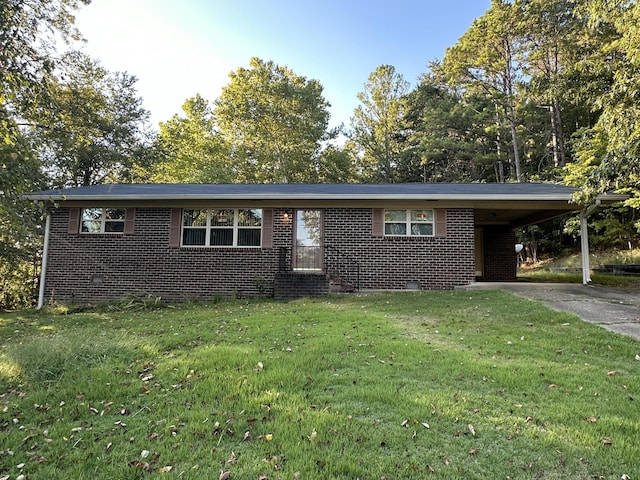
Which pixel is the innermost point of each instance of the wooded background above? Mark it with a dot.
(535, 90)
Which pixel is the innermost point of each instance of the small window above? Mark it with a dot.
(411, 223)
(228, 227)
(102, 220)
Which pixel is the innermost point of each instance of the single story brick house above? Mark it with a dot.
(182, 241)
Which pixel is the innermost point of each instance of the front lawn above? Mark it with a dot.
(414, 385)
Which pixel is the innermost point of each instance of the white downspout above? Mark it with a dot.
(584, 242)
(43, 268)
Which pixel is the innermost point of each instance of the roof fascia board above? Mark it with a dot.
(560, 205)
(295, 197)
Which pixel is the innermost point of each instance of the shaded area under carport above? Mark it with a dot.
(613, 309)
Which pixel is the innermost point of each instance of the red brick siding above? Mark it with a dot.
(94, 268)
(500, 261)
(392, 262)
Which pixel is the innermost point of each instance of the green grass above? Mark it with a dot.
(567, 269)
(443, 384)
(628, 282)
(599, 258)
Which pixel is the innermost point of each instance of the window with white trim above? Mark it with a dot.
(224, 227)
(102, 220)
(409, 223)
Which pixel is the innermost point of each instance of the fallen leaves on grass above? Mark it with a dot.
(232, 459)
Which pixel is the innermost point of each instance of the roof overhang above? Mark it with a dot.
(494, 204)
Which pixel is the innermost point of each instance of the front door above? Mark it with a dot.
(307, 242)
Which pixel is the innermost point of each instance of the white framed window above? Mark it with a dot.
(223, 227)
(102, 220)
(409, 223)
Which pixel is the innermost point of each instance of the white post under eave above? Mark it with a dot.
(43, 268)
(584, 246)
(584, 240)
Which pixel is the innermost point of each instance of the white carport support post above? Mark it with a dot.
(43, 267)
(584, 246)
(584, 241)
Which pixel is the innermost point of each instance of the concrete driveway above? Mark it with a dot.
(614, 309)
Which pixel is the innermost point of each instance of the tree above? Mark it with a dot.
(191, 148)
(447, 135)
(96, 127)
(274, 122)
(556, 41)
(378, 125)
(28, 31)
(487, 59)
(608, 154)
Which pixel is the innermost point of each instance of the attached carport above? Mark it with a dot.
(519, 205)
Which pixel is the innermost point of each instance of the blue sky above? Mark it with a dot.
(180, 48)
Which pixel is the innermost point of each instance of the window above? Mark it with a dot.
(226, 227)
(102, 220)
(412, 223)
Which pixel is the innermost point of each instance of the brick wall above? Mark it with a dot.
(500, 261)
(290, 285)
(393, 262)
(94, 268)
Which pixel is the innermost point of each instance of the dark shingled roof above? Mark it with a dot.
(320, 191)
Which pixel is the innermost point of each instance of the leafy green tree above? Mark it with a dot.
(447, 136)
(487, 60)
(191, 148)
(608, 154)
(274, 123)
(557, 44)
(549, 35)
(334, 163)
(96, 127)
(377, 125)
(29, 30)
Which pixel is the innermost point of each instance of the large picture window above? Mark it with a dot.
(225, 227)
(102, 220)
(408, 223)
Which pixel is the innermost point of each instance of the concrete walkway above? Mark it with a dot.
(614, 309)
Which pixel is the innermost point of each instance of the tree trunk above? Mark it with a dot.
(557, 134)
(499, 166)
(514, 139)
